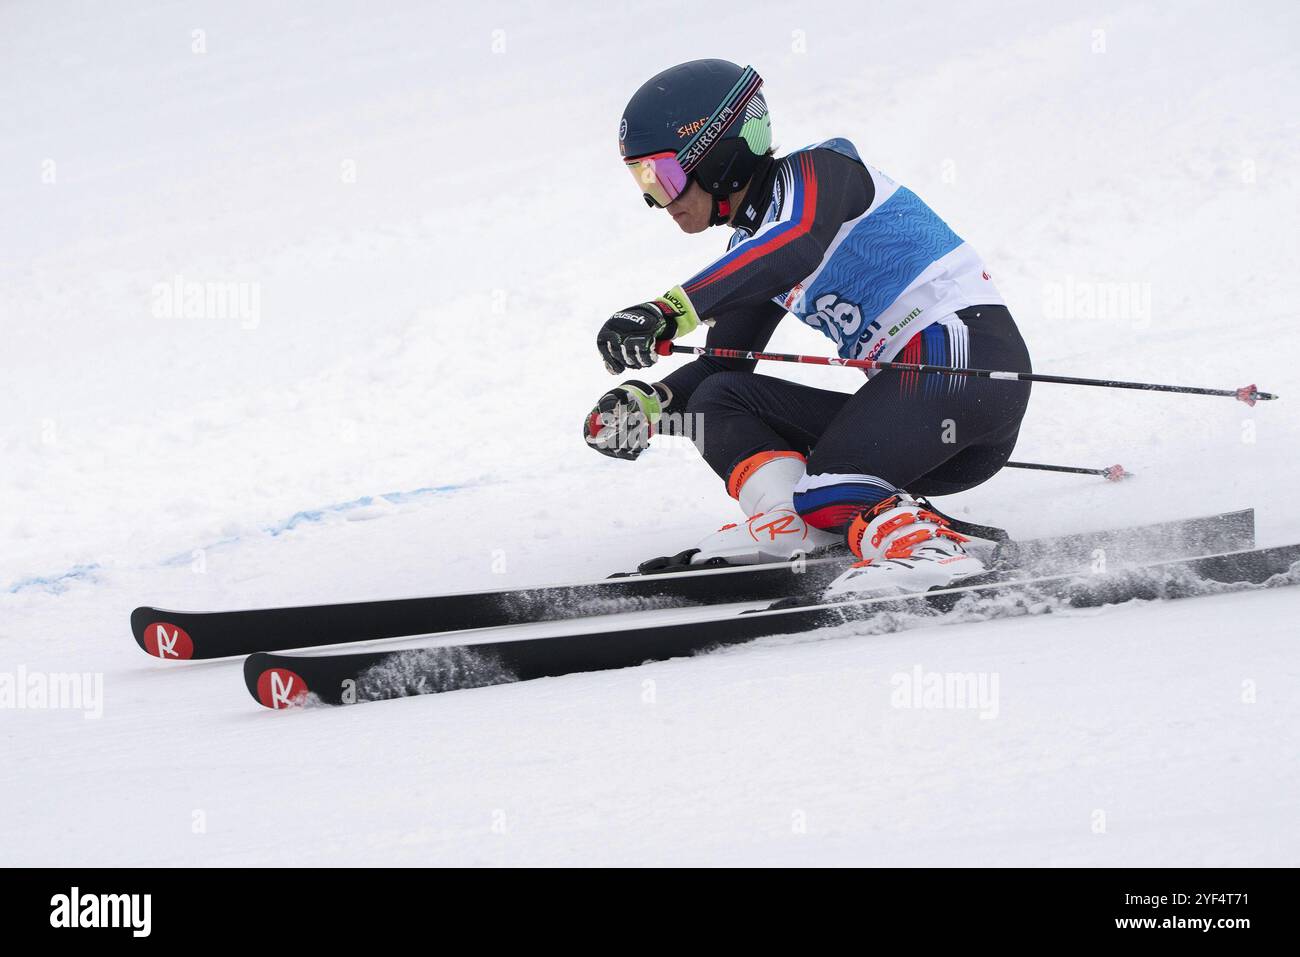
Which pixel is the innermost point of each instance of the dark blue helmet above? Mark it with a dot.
(709, 113)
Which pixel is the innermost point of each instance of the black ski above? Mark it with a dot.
(277, 681)
(219, 634)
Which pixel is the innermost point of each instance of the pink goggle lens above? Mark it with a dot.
(660, 177)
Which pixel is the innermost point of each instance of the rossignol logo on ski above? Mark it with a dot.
(165, 640)
(76, 910)
(281, 688)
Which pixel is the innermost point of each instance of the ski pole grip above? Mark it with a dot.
(664, 347)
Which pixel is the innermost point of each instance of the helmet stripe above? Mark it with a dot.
(732, 106)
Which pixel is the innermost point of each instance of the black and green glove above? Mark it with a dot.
(627, 339)
(625, 418)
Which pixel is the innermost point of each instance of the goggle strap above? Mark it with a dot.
(745, 89)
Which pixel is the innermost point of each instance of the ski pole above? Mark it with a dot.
(1112, 473)
(1247, 393)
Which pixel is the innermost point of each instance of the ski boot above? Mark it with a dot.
(904, 547)
(763, 484)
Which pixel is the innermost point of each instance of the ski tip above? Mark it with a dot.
(159, 637)
(273, 685)
(1115, 473)
(139, 621)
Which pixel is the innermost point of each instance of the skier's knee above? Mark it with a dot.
(722, 390)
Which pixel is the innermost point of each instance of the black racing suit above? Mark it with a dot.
(847, 250)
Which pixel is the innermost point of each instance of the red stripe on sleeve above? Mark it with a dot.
(800, 228)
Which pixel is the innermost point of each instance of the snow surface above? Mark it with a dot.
(402, 416)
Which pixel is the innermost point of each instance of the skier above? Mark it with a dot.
(820, 234)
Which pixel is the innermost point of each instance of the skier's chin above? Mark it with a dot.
(688, 224)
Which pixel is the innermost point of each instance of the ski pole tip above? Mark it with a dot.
(1115, 473)
(1250, 394)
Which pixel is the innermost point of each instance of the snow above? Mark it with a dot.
(426, 207)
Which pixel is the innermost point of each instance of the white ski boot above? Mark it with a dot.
(774, 531)
(904, 548)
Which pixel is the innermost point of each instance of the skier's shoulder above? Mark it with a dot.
(834, 164)
(830, 168)
(831, 151)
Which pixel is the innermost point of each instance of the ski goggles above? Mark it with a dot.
(663, 176)
(660, 177)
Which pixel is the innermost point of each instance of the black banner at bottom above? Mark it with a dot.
(296, 908)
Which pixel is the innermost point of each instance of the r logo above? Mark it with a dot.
(165, 640)
(782, 523)
(280, 688)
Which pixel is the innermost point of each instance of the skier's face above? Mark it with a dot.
(692, 209)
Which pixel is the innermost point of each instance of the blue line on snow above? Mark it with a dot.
(57, 584)
(394, 498)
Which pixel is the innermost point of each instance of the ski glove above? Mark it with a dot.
(623, 420)
(627, 339)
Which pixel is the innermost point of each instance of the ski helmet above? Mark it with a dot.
(704, 120)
